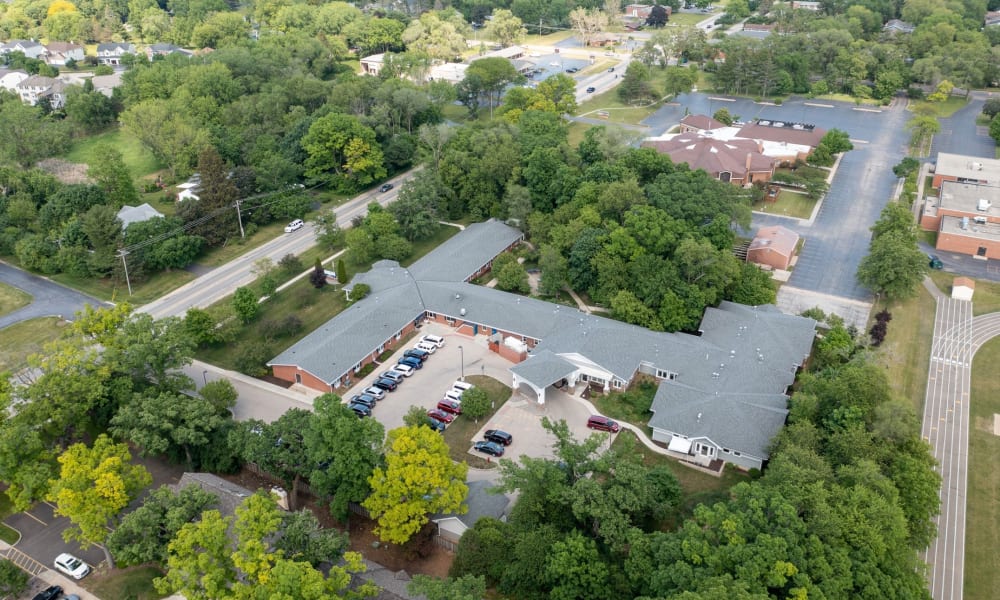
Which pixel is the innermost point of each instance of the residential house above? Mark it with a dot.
(106, 84)
(36, 87)
(603, 39)
(774, 247)
(992, 18)
(372, 65)
(137, 214)
(895, 26)
(154, 50)
(29, 48)
(10, 78)
(58, 54)
(112, 53)
(640, 11)
(737, 161)
(481, 503)
(785, 140)
(548, 343)
(758, 31)
(965, 169)
(966, 217)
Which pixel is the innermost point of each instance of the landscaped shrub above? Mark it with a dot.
(250, 358)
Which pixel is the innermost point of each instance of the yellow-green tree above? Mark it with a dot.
(419, 479)
(94, 485)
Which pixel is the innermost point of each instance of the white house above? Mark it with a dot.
(112, 53)
(9, 78)
(36, 87)
(30, 48)
(58, 53)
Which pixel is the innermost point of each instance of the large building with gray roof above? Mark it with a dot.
(738, 370)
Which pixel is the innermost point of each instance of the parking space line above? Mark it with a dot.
(44, 524)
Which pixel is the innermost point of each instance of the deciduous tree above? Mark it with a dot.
(245, 304)
(419, 479)
(143, 534)
(505, 28)
(343, 152)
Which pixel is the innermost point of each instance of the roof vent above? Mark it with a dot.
(715, 375)
(458, 296)
(699, 417)
(462, 312)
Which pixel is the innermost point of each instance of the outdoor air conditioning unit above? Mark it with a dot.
(983, 205)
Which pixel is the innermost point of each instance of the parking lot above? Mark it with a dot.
(521, 416)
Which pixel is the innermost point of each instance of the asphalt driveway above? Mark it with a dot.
(49, 299)
(960, 134)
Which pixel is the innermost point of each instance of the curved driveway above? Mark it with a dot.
(49, 299)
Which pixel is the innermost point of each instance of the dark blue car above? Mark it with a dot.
(386, 384)
(411, 362)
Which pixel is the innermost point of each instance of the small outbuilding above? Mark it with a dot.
(773, 246)
(963, 288)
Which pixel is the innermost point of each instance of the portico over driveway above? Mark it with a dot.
(543, 369)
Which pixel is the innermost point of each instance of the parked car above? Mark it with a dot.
(499, 436)
(591, 90)
(365, 399)
(440, 415)
(435, 424)
(603, 424)
(385, 187)
(295, 225)
(386, 384)
(393, 374)
(450, 406)
(572, 70)
(406, 370)
(72, 566)
(374, 392)
(462, 386)
(418, 354)
(413, 363)
(49, 593)
(454, 396)
(433, 339)
(427, 347)
(360, 409)
(935, 262)
(491, 448)
(611, 69)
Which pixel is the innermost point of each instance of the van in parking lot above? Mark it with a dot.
(461, 386)
(453, 396)
(409, 361)
(433, 339)
(427, 347)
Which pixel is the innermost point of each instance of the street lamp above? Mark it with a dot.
(462, 353)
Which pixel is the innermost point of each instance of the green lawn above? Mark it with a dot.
(906, 350)
(788, 203)
(631, 406)
(982, 521)
(941, 109)
(12, 299)
(576, 131)
(548, 39)
(459, 434)
(617, 111)
(131, 584)
(6, 533)
(142, 292)
(138, 159)
(686, 19)
(985, 300)
(24, 339)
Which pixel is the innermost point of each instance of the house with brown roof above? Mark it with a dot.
(58, 53)
(799, 139)
(738, 161)
(773, 246)
(695, 123)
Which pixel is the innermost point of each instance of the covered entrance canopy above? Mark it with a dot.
(679, 444)
(543, 369)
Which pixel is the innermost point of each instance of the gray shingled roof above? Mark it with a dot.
(137, 214)
(742, 422)
(334, 348)
(543, 369)
(462, 255)
(229, 494)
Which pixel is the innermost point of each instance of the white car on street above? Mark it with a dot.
(72, 566)
(294, 225)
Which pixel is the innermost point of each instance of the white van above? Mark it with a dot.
(453, 395)
(426, 347)
(461, 386)
(433, 339)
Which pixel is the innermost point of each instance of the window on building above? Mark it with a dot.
(661, 374)
(450, 321)
(617, 383)
(357, 367)
(431, 315)
(298, 378)
(381, 349)
(737, 454)
(399, 334)
(981, 251)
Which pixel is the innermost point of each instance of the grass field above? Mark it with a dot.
(576, 131)
(618, 112)
(12, 299)
(906, 350)
(23, 339)
(686, 19)
(982, 521)
(131, 584)
(142, 292)
(789, 204)
(138, 159)
(986, 298)
(631, 406)
(940, 109)
(461, 430)
(6, 533)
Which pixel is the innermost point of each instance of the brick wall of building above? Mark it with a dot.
(961, 244)
(288, 372)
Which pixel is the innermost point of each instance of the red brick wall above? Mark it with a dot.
(287, 373)
(768, 256)
(509, 353)
(950, 242)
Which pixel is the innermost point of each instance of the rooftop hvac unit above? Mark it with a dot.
(965, 223)
(983, 205)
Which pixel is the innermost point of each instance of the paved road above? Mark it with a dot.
(48, 298)
(222, 281)
(960, 134)
(946, 429)
(838, 239)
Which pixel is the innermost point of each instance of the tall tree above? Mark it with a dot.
(95, 484)
(343, 152)
(494, 74)
(505, 28)
(111, 174)
(419, 479)
(279, 448)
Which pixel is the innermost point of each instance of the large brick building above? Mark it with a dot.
(747, 356)
(966, 211)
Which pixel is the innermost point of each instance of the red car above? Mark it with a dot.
(440, 415)
(450, 406)
(603, 424)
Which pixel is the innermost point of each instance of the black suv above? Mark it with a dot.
(417, 353)
(50, 593)
(498, 436)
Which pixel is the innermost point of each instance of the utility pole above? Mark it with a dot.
(539, 26)
(239, 218)
(123, 253)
